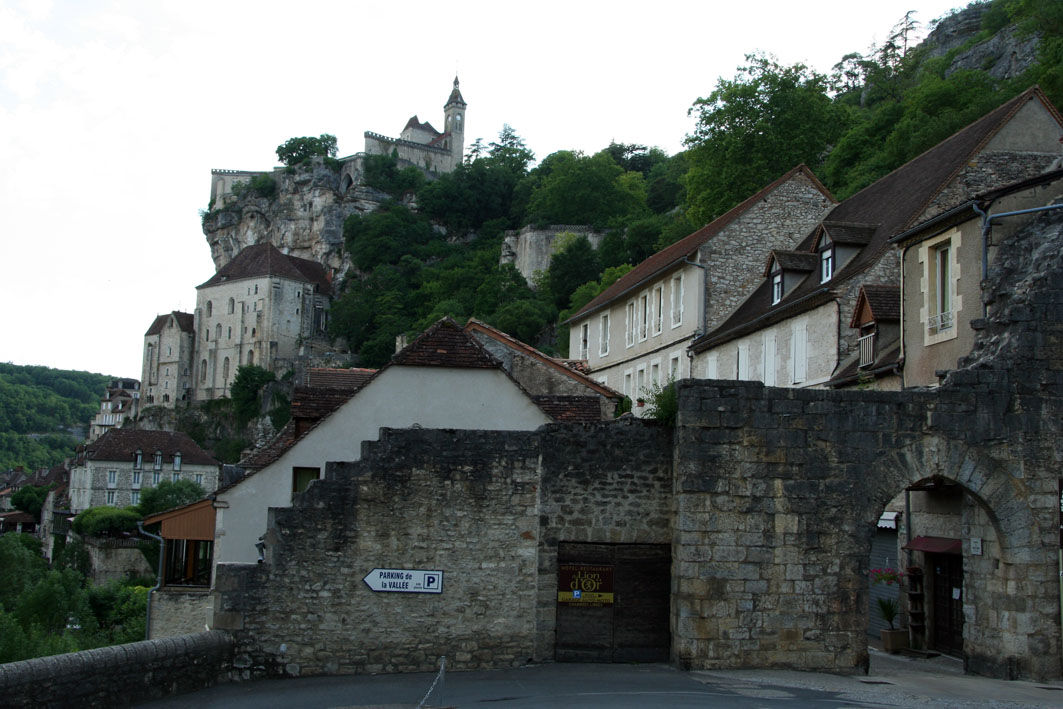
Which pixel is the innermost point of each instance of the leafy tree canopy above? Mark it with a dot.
(297, 150)
(755, 127)
(30, 499)
(575, 189)
(106, 521)
(246, 390)
(167, 495)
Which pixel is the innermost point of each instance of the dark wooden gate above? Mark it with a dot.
(947, 580)
(632, 625)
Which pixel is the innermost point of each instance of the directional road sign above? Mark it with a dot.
(405, 581)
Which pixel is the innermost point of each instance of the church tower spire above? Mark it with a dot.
(454, 122)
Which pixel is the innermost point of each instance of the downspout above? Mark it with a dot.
(158, 578)
(701, 309)
(987, 220)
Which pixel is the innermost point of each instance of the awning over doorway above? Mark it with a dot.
(935, 545)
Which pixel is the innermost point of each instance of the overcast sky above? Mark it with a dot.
(113, 113)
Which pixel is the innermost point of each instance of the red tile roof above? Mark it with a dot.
(334, 378)
(122, 444)
(570, 409)
(185, 322)
(674, 254)
(266, 260)
(884, 302)
(446, 344)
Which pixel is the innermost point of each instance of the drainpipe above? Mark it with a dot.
(158, 578)
(701, 307)
(987, 220)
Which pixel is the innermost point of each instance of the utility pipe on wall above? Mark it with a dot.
(158, 577)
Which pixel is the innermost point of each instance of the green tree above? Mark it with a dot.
(30, 499)
(384, 236)
(510, 151)
(246, 391)
(752, 129)
(297, 150)
(575, 263)
(21, 566)
(106, 521)
(167, 495)
(575, 189)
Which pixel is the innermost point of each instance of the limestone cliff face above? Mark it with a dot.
(1003, 56)
(304, 218)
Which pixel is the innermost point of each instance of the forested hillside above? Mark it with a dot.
(877, 109)
(40, 408)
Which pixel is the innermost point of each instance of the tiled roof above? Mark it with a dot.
(445, 344)
(885, 363)
(270, 452)
(674, 254)
(891, 204)
(845, 233)
(455, 95)
(884, 301)
(570, 409)
(185, 322)
(561, 366)
(333, 378)
(318, 402)
(267, 260)
(122, 444)
(414, 123)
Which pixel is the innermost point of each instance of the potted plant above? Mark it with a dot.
(893, 640)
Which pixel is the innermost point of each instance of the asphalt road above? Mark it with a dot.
(894, 682)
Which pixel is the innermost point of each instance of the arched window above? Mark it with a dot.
(229, 333)
(250, 356)
(210, 308)
(217, 331)
(225, 371)
(203, 371)
(232, 305)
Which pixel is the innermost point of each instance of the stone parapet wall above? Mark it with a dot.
(118, 675)
(176, 611)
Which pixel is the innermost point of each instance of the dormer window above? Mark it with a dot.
(138, 461)
(177, 461)
(776, 288)
(158, 460)
(826, 264)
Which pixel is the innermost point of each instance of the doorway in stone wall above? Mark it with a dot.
(613, 602)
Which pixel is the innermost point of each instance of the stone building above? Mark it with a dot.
(120, 402)
(262, 308)
(740, 538)
(634, 336)
(795, 328)
(424, 146)
(169, 345)
(114, 469)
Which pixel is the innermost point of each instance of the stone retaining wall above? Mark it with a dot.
(118, 675)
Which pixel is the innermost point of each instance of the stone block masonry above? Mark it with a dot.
(118, 675)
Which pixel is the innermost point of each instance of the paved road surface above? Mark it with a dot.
(893, 682)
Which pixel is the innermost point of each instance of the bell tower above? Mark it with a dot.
(454, 122)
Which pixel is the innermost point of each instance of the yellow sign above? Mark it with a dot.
(584, 585)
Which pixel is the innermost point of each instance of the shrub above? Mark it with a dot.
(106, 521)
(664, 403)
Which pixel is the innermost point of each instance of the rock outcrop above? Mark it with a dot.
(1005, 55)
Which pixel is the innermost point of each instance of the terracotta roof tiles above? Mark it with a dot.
(570, 409)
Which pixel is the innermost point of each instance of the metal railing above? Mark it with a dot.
(867, 349)
(939, 322)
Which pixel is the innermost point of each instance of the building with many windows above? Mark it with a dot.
(114, 469)
(120, 402)
(168, 353)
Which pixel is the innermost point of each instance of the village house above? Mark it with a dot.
(634, 335)
(169, 347)
(121, 402)
(115, 468)
(801, 327)
(262, 308)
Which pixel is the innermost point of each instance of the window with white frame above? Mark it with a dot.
(158, 460)
(655, 373)
(657, 304)
(742, 362)
(677, 300)
(155, 477)
(138, 461)
(674, 362)
(134, 497)
(630, 325)
(826, 259)
(584, 340)
(176, 461)
(799, 351)
(175, 477)
(776, 287)
(628, 391)
(644, 316)
(768, 356)
(199, 478)
(112, 478)
(136, 478)
(941, 287)
(110, 497)
(640, 382)
(603, 335)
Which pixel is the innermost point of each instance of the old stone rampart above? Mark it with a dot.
(118, 675)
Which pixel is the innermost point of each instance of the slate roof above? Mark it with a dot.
(674, 254)
(570, 409)
(455, 95)
(122, 444)
(414, 123)
(884, 301)
(802, 261)
(267, 260)
(318, 402)
(846, 233)
(886, 362)
(891, 204)
(334, 378)
(185, 322)
(559, 365)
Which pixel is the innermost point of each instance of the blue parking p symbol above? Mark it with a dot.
(430, 581)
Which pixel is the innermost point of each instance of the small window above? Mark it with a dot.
(302, 477)
(175, 477)
(644, 316)
(673, 367)
(156, 477)
(232, 305)
(658, 310)
(134, 497)
(210, 308)
(158, 460)
(136, 478)
(603, 335)
(584, 340)
(826, 264)
(138, 461)
(199, 479)
(112, 478)
(110, 497)
(176, 461)
(776, 288)
(630, 325)
(677, 300)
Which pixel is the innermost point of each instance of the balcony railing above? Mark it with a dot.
(939, 322)
(867, 350)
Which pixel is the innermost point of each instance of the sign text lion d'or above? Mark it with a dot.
(405, 580)
(584, 585)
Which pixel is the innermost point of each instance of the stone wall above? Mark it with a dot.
(116, 559)
(118, 675)
(530, 249)
(177, 611)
